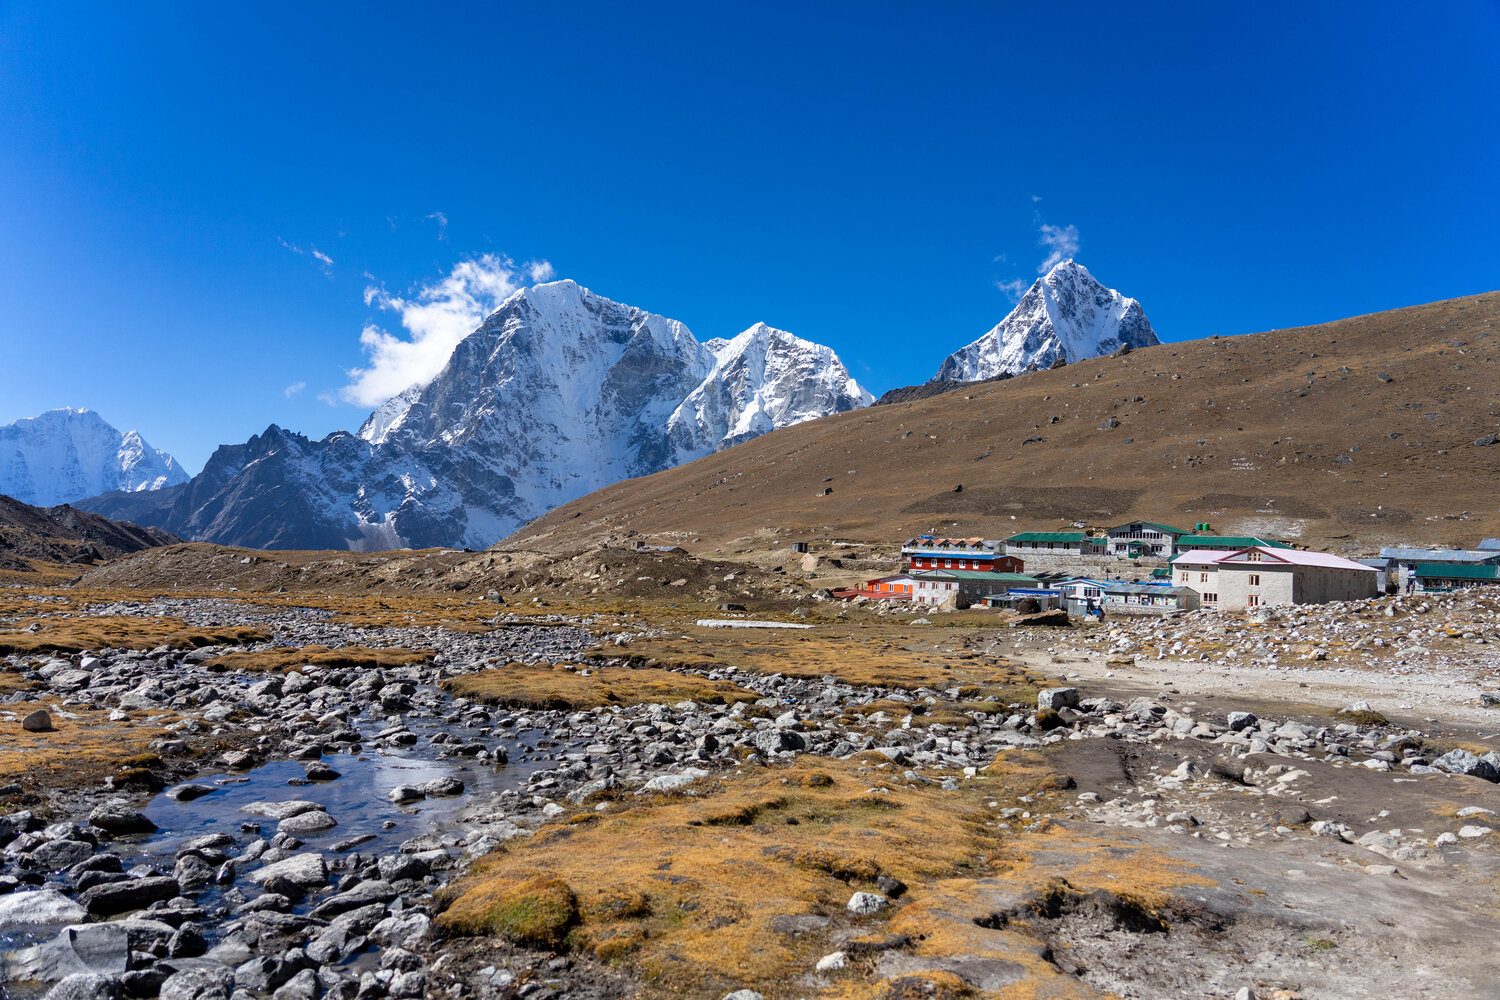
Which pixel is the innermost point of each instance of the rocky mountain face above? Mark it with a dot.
(62, 534)
(66, 455)
(1066, 315)
(558, 393)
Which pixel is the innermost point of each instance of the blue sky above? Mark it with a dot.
(865, 175)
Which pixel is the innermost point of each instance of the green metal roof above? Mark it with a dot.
(1068, 537)
(1227, 542)
(1449, 571)
(974, 574)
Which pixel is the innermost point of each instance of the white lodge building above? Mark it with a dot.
(1267, 577)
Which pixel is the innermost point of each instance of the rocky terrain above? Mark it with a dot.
(61, 540)
(259, 795)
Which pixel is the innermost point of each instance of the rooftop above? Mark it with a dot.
(1270, 556)
(1449, 571)
(1067, 537)
(1441, 555)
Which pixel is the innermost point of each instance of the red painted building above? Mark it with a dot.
(927, 552)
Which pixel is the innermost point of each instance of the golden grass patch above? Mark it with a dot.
(78, 751)
(870, 654)
(284, 658)
(696, 895)
(543, 686)
(80, 633)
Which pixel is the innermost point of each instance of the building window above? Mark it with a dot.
(1253, 600)
(1255, 579)
(1210, 598)
(1202, 577)
(1254, 555)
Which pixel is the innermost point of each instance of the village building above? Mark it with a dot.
(962, 587)
(1011, 600)
(1404, 561)
(1454, 576)
(1147, 598)
(1059, 543)
(929, 552)
(1144, 538)
(1262, 576)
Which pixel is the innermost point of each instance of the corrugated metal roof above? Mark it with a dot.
(971, 574)
(1165, 528)
(1490, 544)
(1439, 571)
(1069, 537)
(1229, 542)
(1294, 557)
(1440, 555)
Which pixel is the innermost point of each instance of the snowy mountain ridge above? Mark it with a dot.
(67, 454)
(1066, 315)
(557, 393)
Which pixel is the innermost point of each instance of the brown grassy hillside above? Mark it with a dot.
(1345, 435)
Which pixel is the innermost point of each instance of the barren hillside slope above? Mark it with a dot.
(1346, 435)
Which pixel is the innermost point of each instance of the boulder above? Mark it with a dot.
(1055, 698)
(120, 820)
(37, 722)
(309, 871)
(110, 898)
(85, 986)
(200, 982)
(38, 906)
(1466, 763)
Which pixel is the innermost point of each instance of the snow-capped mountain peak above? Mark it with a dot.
(1067, 314)
(762, 379)
(67, 454)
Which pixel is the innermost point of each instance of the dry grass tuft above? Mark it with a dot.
(285, 658)
(93, 632)
(570, 689)
(863, 653)
(690, 892)
(83, 747)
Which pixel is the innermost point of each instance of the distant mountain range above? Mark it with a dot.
(556, 394)
(65, 455)
(559, 392)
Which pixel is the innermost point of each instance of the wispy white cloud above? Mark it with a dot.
(324, 262)
(540, 271)
(1013, 288)
(441, 218)
(295, 389)
(1062, 243)
(436, 317)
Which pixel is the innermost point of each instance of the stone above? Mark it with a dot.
(38, 906)
(743, 995)
(1474, 831)
(833, 962)
(302, 986)
(779, 741)
(282, 810)
(59, 854)
(201, 982)
(405, 793)
(39, 721)
(1055, 698)
(442, 787)
(1240, 721)
(313, 821)
(1466, 763)
(864, 904)
(85, 986)
(189, 792)
(84, 949)
(133, 894)
(307, 871)
(120, 820)
(673, 782)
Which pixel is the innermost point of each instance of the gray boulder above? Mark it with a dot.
(1055, 698)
